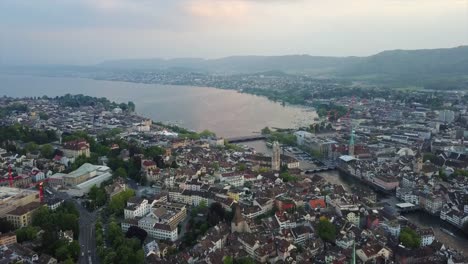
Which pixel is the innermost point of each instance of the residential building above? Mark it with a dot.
(76, 148)
(7, 239)
(22, 216)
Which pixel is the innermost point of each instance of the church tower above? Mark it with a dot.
(238, 223)
(276, 157)
(351, 144)
(418, 162)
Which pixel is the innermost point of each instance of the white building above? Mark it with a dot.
(137, 207)
(235, 179)
(446, 116)
(427, 236)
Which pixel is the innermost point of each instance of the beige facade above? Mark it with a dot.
(12, 198)
(7, 239)
(22, 216)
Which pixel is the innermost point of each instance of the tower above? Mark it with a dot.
(418, 162)
(276, 157)
(41, 192)
(10, 177)
(351, 143)
(238, 223)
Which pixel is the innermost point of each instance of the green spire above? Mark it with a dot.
(353, 257)
(351, 140)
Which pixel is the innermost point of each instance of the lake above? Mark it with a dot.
(226, 112)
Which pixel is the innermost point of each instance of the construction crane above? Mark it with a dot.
(10, 177)
(40, 184)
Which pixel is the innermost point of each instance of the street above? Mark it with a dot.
(87, 223)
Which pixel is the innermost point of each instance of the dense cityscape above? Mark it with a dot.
(88, 180)
(234, 132)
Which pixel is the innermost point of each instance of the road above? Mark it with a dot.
(87, 238)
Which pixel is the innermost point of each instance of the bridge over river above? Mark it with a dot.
(245, 138)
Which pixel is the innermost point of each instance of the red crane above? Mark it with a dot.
(39, 183)
(41, 192)
(10, 177)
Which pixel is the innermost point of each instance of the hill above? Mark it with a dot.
(392, 62)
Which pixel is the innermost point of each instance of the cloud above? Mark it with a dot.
(93, 30)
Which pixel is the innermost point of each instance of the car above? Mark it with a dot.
(82, 254)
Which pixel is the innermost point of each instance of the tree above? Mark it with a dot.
(287, 177)
(30, 147)
(43, 116)
(228, 260)
(135, 231)
(131, 106)
(207, 134)
(98, 196)
(409, 238)
(6, 226)
(120, 172)
(241, 167)
(47, 151)
(27, 233)
(266, 131)
(119, 201)
(246, 260)
(326, 230)
(62, 252)
(202, 205)
(154, 151)
(216, 214)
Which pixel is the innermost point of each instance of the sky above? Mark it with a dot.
(91, 31)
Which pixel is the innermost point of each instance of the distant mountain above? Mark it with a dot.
(407, 65)
(407, 62)
(240, 64)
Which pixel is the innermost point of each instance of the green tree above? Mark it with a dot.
(409, 238)
(119, 201)
(242, 167)
(266, 131)
(27, 233)
(326, 230)
(31, 147)
(246, 260)
(6, 226)
(154, 151)
(120, 172)
(131, 106)
(69, 261)
(74, 249)
(98, 196)
(228, 260)
(287, 177)
(43, 116)
(47, 151)
(62, 253)
(202, 205)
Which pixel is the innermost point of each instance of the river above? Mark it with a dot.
(459, 241)
(226, 112)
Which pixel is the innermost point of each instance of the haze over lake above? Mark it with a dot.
(226, 112)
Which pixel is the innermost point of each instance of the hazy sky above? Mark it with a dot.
(89, 31)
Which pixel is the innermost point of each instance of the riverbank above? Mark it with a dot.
(457, 241)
